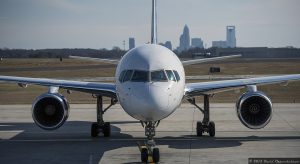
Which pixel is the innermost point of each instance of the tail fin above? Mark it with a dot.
(154, 23)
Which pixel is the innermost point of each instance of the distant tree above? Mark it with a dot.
(115, 48)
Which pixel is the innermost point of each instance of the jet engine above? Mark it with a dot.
(254, 109)
(50, 111)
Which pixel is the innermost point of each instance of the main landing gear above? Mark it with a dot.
(148, 150)
(206, 125)
(100, 125)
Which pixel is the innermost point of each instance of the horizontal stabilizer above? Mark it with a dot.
(204, 60)
(110, 61)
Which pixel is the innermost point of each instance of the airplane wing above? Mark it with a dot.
(109, 61)
(202, 88)
(105, 89)
(204, 60)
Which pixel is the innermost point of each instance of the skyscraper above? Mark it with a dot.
(230, 39)
(184, 40)
(131, 43)
(197, 43)
(230, 36)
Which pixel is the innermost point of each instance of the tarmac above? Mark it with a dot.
(21, 141)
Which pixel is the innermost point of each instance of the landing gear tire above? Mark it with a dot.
(155, 155)
(94, 130)
(144, 155)
(199, 129)
(206, 125)
(211, 129)
(106, 129)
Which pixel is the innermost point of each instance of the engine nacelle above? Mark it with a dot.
(254, 110)
(50, 111)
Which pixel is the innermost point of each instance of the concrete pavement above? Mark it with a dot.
(23, 142)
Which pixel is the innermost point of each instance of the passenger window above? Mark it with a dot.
(177, 75)
(158, 76)
(140, 76)
(127, 75)
(122, 76)
(170, 75)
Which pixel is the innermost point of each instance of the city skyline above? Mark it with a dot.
(35, 24)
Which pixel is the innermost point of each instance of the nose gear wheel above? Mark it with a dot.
(149, 151)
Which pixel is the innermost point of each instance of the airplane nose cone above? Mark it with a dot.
(150, 101)
(158, 96)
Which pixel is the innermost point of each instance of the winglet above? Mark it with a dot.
(154, 23)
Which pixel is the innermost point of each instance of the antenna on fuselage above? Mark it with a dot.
(154, 23)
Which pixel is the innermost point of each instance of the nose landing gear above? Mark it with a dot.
(149, 151)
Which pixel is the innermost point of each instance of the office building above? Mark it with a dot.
(230, 39)
(230, 36)
(168, 44)
(197, 43)
(219, 44)
(131, 43)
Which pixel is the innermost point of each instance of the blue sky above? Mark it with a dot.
(35, 24)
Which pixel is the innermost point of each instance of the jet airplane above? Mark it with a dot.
(150, 85)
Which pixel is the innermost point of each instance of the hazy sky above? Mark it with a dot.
(106, 23)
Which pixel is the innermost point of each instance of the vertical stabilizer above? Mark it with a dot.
(154, 24)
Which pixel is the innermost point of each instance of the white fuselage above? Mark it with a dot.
(147, 86)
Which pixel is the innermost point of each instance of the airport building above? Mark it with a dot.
(247, 52)
(131, 43)
(197, 43)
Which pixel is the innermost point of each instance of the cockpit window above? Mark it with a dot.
(140, 76)
(177, 75)
(144, 76)
(170, 75)
(122, 76)
(127, 75)
(158, 76)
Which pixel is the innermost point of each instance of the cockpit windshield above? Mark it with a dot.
(140, 76)
(146, 76)
(158, 76)
(177, 75)
(170, 75)
(127, 75)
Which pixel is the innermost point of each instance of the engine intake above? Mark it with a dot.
(254, 109)
(50, 111)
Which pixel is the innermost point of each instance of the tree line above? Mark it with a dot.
(61, 53)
